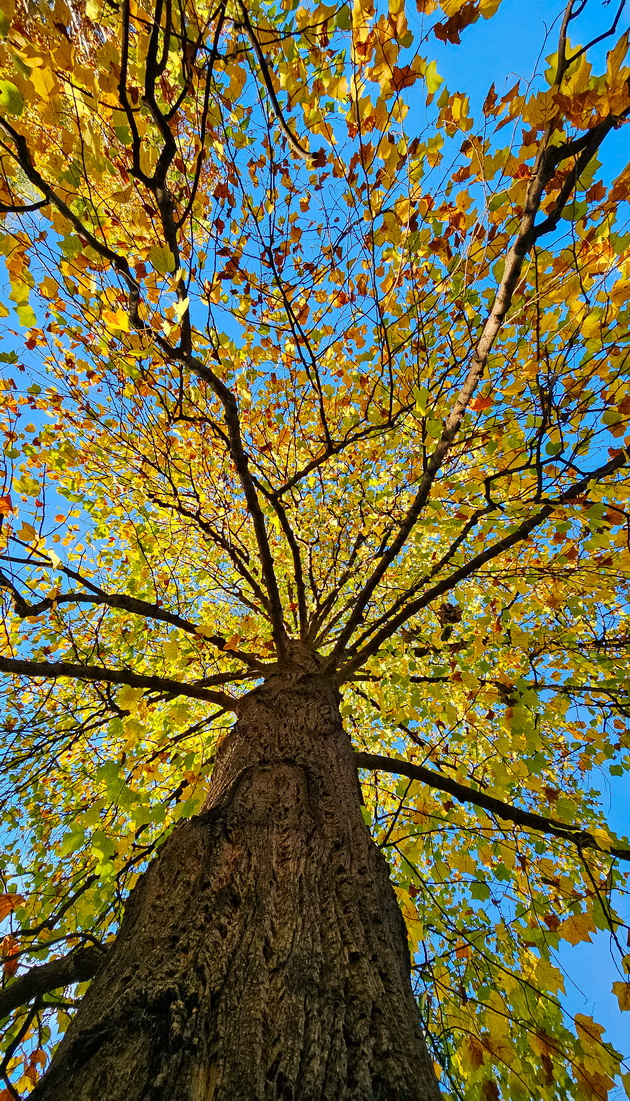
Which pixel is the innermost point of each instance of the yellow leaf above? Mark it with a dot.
(27, 533)
(576, 928)
(471, 1054)
(49, 287)
(44, 83)
(615, 58)
(128, 698)
(603, 838)
(205, 632)
(162, 259)
(488, 7)
(171, 649)
(588, 1030)
(622, 991)
(116, 319)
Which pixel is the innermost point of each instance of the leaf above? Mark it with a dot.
(27, 533)
(432, 78)
(480, 403)
(622, 992)
(27, 317)
(11, 101)
(162, 259)
(576, 928)
(43, 80)
(8, 903)
(449, 31)
(589, 1031)
(343, 19)
(603, 838)
(6, 505)
(8, 948)
(480, 890)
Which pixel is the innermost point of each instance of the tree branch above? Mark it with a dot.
(522, 532)
(60, 669)
(578, 836)
(267, 81)
(241, 462)
(25, 208)
(77, 966)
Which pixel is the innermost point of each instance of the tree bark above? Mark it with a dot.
(262, 956)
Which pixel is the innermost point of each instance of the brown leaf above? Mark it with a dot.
(449, 30)
(318, 159)
(403, 77)
(480, 403)
(490, 1090)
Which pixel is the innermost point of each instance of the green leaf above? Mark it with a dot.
(27, 316)
(479, 890)
(343, 19)
(11, 101)
(102, 845)
(72, 840)
(432, 78)
(162, 259)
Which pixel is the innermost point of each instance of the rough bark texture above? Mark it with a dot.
(263, 956)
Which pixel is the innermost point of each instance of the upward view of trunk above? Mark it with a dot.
(263, 956)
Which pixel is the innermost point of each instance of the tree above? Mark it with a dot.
(328, 402)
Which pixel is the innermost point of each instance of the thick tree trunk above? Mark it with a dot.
(262, 956)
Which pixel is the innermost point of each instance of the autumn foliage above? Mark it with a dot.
(301, 343)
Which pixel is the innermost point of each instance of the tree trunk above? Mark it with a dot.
(262, 956)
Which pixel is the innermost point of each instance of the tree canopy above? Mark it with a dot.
(303, 346)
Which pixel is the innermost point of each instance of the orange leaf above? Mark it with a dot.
(6, 505)
(9, 903)
(8, 947)
(478, 404)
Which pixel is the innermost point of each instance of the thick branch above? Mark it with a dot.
(50, 670)
(78, 966)
(575, 834)
(241, 462)
(24, 208)
(118, 601)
